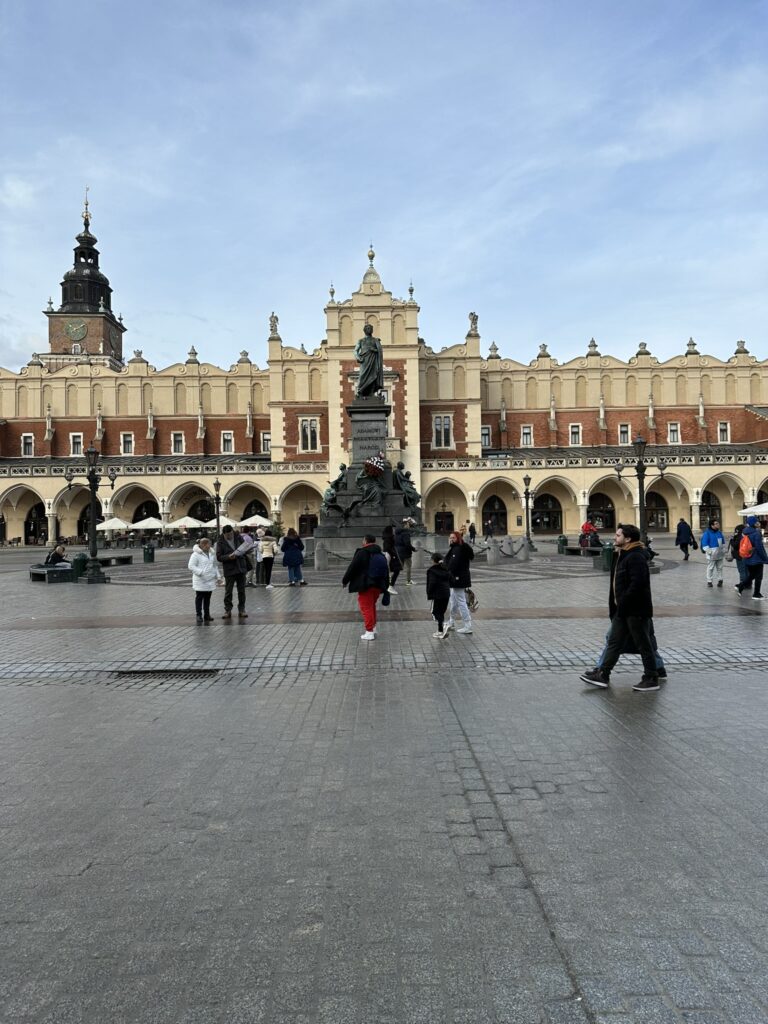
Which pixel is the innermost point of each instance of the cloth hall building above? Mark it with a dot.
(468, 422)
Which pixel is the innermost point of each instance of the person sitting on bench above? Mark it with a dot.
(57, 558)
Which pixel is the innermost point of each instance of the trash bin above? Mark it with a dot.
(149, 554)
(79, 563)
(606, 556)
(562, 544)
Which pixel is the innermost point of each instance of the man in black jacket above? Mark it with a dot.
(457, 563)
(367, 576)
(631, 611)
(234, 568)
(404, 548)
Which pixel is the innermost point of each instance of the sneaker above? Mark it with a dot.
(464, 629)
(391, 590)
(737, 588)
(448, 626)
(758, 597)
(719, 583)
(439, 635)
(596, 677)
(368, 635)
(409, 583)
(242, 615)
(227, 615)
(710, 585)
(444, 634)
(199, 618)
(302, 583)
(269, 586)
(646, 685)
(208, 618)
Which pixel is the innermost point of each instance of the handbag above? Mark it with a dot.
(386, 597)
(694, 545)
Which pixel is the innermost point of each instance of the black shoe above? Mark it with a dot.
(719, 583)
(208, 618)
(662, 673)
(646, 684)
(199, 618)
(227, 615)
(302, 583)
(710, 585)
(737, 588)
(596, 677)
(685, 558)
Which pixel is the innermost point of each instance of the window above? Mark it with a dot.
(724, 432)
(27, 444)
(308, 435)
(442, 432)
(526, 435)
(485, 437)
(75, 444)
(177, 443)
(227, 442)
(673, 433)
(126, 444)
(574, 433)
(266, 442)
(623, 433)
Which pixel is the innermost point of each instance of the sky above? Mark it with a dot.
(566, 170)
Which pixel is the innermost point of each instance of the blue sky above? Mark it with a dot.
(565, 170)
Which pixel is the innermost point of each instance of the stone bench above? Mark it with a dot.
(51, 574)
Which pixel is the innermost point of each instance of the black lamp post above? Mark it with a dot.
(93, 571)
(217, 503)
(527, 496)
(641, 467)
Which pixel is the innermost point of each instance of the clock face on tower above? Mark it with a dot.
(114, 336)
(76, 330)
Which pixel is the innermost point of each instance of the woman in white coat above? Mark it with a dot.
(205, 575)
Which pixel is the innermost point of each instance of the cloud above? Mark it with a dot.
(18, 194)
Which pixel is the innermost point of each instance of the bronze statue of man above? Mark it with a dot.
(369, 354)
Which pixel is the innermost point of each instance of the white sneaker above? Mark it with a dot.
(391, 590)
(367, 635)
(409, 583)
(438, 635)
(269, 587)
(464, 629)
(448, 626)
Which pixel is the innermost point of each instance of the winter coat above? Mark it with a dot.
(758, 548)
(388, 546)
(684, 534)
(438, 583)
(357, 578)
(269, 547)
(230, 566)
(403, 543)
(630, 592)
(204, 568)
(292, 551)
(713, 543)
(457, 563)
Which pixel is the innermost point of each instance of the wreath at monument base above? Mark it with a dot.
(374, 465)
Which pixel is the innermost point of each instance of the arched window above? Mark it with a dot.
(255, 508)
(257, 398)
(203, 509)
(531, 393)
(459, 386)
(606, 387)
(72, 400)
(581, 391)
(656, 512)
(484, 399)
(289, 386)
(35, 524)
(557, 391)
(681, 390)
(709, 509)
(398, 330)
(180, 392)
(754, 388)
(730, 389)
(205, 398)
(146, 397)
(631, 389)
(345, 327)
(495, 514)
(232, 398)
(506, 392)
(314, 385)
(706, 388)
(656, 388)
(433, 390)
(601, 511)
(122, 399)
(547, 514)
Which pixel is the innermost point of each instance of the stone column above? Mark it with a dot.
(53, 527)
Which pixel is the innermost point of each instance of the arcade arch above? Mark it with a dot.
(445, 507)
(300, 507)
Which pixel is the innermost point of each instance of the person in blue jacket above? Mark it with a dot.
(714, 547)
(755, 561)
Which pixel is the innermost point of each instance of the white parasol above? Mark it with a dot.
(185, 523)
(113, 524)
(148, 524)
(256, 520)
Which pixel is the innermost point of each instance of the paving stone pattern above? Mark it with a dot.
(276, 823)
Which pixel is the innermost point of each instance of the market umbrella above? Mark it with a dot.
(148, 524)
(186, 522)
(113, 524)
(223, 521)
(255, 521)
(755, 510)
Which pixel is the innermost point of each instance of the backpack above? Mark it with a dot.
(746, 547)
(378, 571)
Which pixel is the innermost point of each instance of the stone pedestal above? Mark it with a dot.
(342, 530)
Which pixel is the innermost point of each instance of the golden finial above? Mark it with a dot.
(371, 254)
(86, 211)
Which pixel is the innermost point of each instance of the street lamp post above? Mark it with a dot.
(93, 570)
(527, 496)
(217, 503)
(641, 467)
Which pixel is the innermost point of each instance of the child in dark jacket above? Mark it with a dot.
(439, 593)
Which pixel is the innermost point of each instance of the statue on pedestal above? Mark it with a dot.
(403, 482)
(369, 354)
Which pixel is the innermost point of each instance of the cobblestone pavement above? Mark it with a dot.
(274, 822)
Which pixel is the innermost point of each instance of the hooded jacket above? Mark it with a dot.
(204, 568)
(630, 592)
(438, 582)
(758, 548)
(457, 563)
(356, 577)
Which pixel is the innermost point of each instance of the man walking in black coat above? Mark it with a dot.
(457, 563)
(684, 538)
(631, 611)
